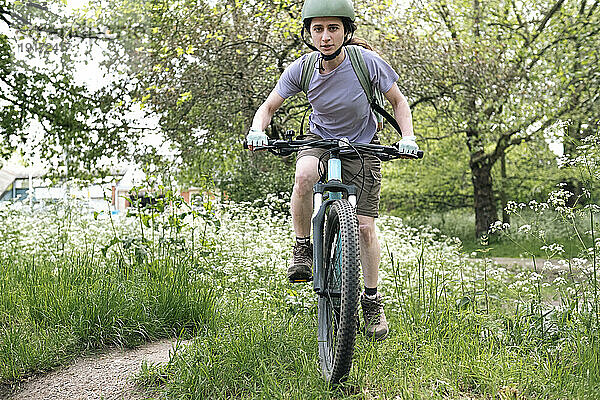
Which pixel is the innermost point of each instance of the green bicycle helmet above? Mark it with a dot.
(328, 8)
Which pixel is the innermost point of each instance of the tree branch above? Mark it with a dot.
(507, 140)
(517, 15)
(547, 17)
(3, 14)
(445, 14)
(544, 22)
(425, 100)
(437, 138)
(253, 42)
(71, 33)
(592, 8)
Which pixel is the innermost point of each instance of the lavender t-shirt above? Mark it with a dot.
(339, 103)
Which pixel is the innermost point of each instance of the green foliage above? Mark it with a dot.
(486, 81)
(80, 127)
(206, 73)
(576, 213)
(452, 337)
(532, 172)
(458, 328)
(5, 55)
(274, 357)
(256, 357)
(488, 73)
(439, 182)
(459, 222)
(556, 223)
(8, 114)
(257, 175)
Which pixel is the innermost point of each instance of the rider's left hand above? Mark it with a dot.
(407, 145)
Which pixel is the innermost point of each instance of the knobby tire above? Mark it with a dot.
(338, 303)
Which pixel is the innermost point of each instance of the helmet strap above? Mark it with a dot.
(333, 55)
(306, 42)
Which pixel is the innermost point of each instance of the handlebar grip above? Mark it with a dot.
(246, 147)
(419, 155)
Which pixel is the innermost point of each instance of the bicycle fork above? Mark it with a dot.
(336, 188)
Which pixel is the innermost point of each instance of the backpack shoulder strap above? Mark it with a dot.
(374, 96)
(308, 69)
(360, 68)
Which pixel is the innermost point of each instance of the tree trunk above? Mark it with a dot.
(503, 199)
(483, 194)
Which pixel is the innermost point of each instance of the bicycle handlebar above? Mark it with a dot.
(384, 153)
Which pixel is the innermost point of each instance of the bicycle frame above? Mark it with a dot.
(336, 188)
(333, 185)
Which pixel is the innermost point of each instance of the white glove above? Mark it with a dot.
(407, 145)
(256, 138)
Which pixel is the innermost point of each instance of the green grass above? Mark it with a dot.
(459, 329)
(547, 227)
(449, 355)
(503, 247)
(250, 355)
(51, 311)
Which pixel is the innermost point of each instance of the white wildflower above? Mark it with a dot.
(535, 277)
(553, 248)
(495, 227)
(559, 281)
(524, 229)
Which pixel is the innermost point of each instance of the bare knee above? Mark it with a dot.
(303, 183)
(366, 231)
(306, 176)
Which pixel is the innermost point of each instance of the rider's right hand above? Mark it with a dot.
(256, 138)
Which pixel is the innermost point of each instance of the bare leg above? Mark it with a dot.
(376, 325)
(370, 252)
(302, 196)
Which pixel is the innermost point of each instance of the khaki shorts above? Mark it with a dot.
(367, 180)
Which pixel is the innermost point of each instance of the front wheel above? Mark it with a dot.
(338, 301)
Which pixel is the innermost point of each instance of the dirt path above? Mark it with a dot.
(108, 376)
(519, 262)
(527, 262)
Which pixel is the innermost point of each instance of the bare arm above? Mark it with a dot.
(401, 110)
(265, 112)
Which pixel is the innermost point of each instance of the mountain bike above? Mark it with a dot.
(336, 253)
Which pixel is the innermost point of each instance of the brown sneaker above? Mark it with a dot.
(302, 263)
(376, 325)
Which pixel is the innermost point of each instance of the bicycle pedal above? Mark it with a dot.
(300, 280)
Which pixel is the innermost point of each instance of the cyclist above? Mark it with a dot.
(340, 109)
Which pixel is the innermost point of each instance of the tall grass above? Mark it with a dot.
(52, 310)
(64, 291)
(460, 223)
(436, 349)
(459, 328)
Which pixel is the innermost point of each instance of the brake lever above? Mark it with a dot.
(408, 156)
